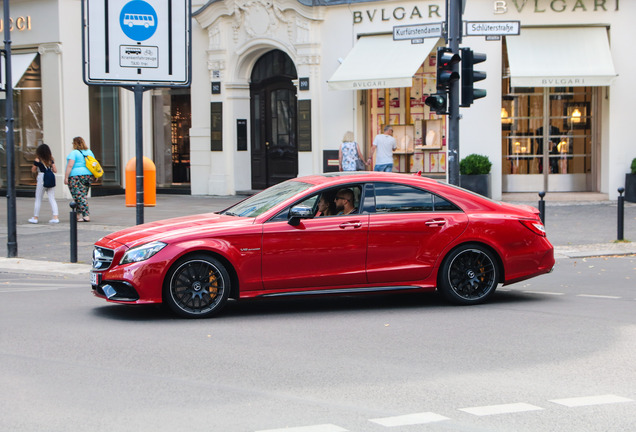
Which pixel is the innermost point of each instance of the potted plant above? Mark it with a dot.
(630, 183)
(474, 174)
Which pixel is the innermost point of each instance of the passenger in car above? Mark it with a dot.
(344, 202)
(324, 207)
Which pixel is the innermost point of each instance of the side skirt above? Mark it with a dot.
(343, 291)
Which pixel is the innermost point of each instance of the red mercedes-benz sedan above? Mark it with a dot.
(326, 234)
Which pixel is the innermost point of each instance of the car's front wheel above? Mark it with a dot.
(197, 286)
(469, 275)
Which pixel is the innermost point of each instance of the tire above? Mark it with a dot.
(469, 275)
(197, 286)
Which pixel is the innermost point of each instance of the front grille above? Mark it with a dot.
(102, 258)
(118, 290)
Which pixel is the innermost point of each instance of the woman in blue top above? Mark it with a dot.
(79, 178)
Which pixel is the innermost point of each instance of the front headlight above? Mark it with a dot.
(142, 253)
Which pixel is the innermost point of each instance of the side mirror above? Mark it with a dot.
(299, 212)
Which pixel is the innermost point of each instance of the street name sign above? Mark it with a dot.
(420, 31)
(492, 28)
(132, 42)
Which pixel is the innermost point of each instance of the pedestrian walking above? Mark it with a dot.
(79, 178)
(383, 145)
(351, 158)
(44, 168)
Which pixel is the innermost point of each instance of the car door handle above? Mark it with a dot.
(350, 224)
(436, 223)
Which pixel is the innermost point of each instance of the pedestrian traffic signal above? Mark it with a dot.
(438, 102)
(470, 76)
(446, 60)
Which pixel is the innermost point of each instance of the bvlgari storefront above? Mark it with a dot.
(550, 120)
(275, 86)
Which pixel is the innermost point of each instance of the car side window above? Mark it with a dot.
(391, 197)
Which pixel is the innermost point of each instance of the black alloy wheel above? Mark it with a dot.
(197, 287)
(469, 275)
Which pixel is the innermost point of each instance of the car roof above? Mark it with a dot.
(360, 176)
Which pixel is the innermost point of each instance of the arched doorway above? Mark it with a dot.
(273, 111)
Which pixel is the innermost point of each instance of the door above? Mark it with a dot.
(408, 232)
(273, 106)
(321, 253)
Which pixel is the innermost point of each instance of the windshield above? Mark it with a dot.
(263, 201)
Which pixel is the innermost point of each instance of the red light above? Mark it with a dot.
(534, 225)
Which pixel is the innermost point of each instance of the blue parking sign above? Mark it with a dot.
(138, 20)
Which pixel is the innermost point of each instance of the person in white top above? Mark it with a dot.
(383, 145)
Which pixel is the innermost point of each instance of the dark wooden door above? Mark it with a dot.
(273, 127)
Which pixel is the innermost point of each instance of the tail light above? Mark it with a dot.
(534, 225)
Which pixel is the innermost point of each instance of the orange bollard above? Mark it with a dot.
(150, 183)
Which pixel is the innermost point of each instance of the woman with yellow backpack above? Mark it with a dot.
(79, 177)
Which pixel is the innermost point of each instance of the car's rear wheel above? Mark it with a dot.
(197, 286)
(469, 275)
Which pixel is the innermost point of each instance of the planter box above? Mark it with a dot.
(630, 187)
(479, 183)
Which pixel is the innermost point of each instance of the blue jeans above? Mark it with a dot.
(384, 167)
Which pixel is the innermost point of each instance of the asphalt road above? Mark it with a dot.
(555, 353)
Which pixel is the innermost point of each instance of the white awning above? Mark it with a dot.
(560, 57)
(380, 62)
(19, 64)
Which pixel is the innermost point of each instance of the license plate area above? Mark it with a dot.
(96, 278)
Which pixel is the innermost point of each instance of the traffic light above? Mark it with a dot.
(438, 102)
(470, 76)
(446, 59)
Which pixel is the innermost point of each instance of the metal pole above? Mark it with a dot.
(12, 237)
(73, 227)
(542, 207)
(621, 215)
(454, 38)
(139, 152)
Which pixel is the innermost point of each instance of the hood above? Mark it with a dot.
(181, 227)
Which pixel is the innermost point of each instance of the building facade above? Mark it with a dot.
(275, 86)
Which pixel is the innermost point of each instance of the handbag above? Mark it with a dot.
(360, 166)
(93, 166)
(49, 178)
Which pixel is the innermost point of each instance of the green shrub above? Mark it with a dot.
(475, 164)
(634, 166)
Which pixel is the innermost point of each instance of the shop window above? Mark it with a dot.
(27, 114)
(546, 131)
(105, 131)
(420, 133)
(173, 120)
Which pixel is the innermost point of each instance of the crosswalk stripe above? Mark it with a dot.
(315, 428)
(501, 409)
(410, 419)
(591, 400)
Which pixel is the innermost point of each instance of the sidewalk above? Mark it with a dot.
(578, 225)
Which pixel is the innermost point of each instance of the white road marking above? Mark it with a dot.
(316, 428)
(501, 409)
(410, 419)
(545, 292)
(598, 296)
(591, 400)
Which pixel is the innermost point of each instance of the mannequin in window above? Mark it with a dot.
(553, 138)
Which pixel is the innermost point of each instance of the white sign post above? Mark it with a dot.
(418, 32)
(137, 44)
(129, 42)
(492, 28)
